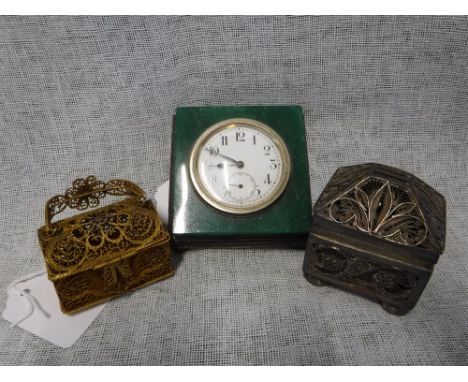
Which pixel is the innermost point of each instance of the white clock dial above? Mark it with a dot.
(241, 187)
(240, 166)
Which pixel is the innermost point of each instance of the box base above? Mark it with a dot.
(392, 309)
(93, 287)
(394, 285)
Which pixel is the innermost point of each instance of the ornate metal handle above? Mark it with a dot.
(86, 193)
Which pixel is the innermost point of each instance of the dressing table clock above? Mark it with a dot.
(239, 177)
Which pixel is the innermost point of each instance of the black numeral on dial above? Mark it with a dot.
(213, 150)
(273, 164)
(240, 136)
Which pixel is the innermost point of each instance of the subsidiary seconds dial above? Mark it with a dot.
(239, 166)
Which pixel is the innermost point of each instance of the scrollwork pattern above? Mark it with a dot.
(87, 193)
(90, 287)
(99, 254)
(384, 279)
(377, 207)
(99, 235)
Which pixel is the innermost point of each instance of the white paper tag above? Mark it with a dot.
(161, 197)
(46, 320)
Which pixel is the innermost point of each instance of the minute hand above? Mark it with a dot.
(239, 163)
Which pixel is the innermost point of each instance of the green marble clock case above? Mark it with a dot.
(195, 224)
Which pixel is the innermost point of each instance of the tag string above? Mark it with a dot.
(32, 302)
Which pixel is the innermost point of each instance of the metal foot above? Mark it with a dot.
(315, 281)
(395, 310)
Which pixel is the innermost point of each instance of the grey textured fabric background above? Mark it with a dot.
(95, 95)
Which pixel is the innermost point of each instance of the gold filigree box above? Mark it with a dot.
(377, 231)
(102, 253)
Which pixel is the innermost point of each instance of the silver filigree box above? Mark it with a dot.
(377, 231)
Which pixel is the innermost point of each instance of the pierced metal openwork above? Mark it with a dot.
(377, 232)
(99, 254)
(382, 209)
(385, 279)
(87, 193)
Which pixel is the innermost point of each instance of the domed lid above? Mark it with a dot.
(387, 203)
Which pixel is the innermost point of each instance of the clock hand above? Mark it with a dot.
(220, 165)
(239, 163)
(236, 185)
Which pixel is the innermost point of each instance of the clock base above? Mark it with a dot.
(277, 242)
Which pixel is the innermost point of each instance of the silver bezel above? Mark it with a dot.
(231, 124)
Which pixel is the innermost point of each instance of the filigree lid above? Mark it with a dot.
(97, 238)
(387, 203)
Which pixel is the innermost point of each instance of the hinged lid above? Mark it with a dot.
(387, 203)
(100, 237)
